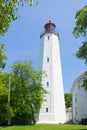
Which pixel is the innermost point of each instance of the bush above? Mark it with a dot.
(22, 119)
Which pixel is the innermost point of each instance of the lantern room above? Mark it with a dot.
(49, 27)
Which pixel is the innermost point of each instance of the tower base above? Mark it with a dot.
(50, 118)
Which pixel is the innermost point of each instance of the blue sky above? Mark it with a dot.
(22, 41)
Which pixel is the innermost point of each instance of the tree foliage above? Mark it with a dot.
(3, 57)
(9, 12)
(82, 52)
(68, 100)
(3, 98)
(81, 23)
(81, 30)
(85, 81)
(26, 92)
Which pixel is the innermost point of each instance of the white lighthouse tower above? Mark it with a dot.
(53, 109)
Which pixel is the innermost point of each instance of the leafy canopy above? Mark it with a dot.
(81, 30)
(26, 92)
(82, 52)
(9, 12)
(81, 23)
(3, 57)
(68, 100)
(3, 98)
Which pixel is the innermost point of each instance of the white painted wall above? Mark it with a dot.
(79, 102)
(55, 99)
(69, 115)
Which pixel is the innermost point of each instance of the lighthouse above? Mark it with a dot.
(53, 108)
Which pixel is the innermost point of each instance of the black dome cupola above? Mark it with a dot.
(50, 27)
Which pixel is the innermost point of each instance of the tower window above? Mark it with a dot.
(46, 109)
(47, 84)
(47, 59)
(48, 37)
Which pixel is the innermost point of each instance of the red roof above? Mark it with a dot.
(50, 23)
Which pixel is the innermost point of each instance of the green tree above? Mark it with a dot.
(3, 57)
(68, 100)
(80, 29)
(81, 23)
(26, 92)
(3, 99)
(9, 12)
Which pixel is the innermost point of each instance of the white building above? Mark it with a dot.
(53, 109)
(79, 101)
(69, 115)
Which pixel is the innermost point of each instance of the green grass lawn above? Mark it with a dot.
(46, 127)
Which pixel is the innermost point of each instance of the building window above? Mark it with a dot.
(48, 37)
(47, 84)
(75, 100)
(46, 109)
(76, 111)
(47, 59)
(78, 85)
